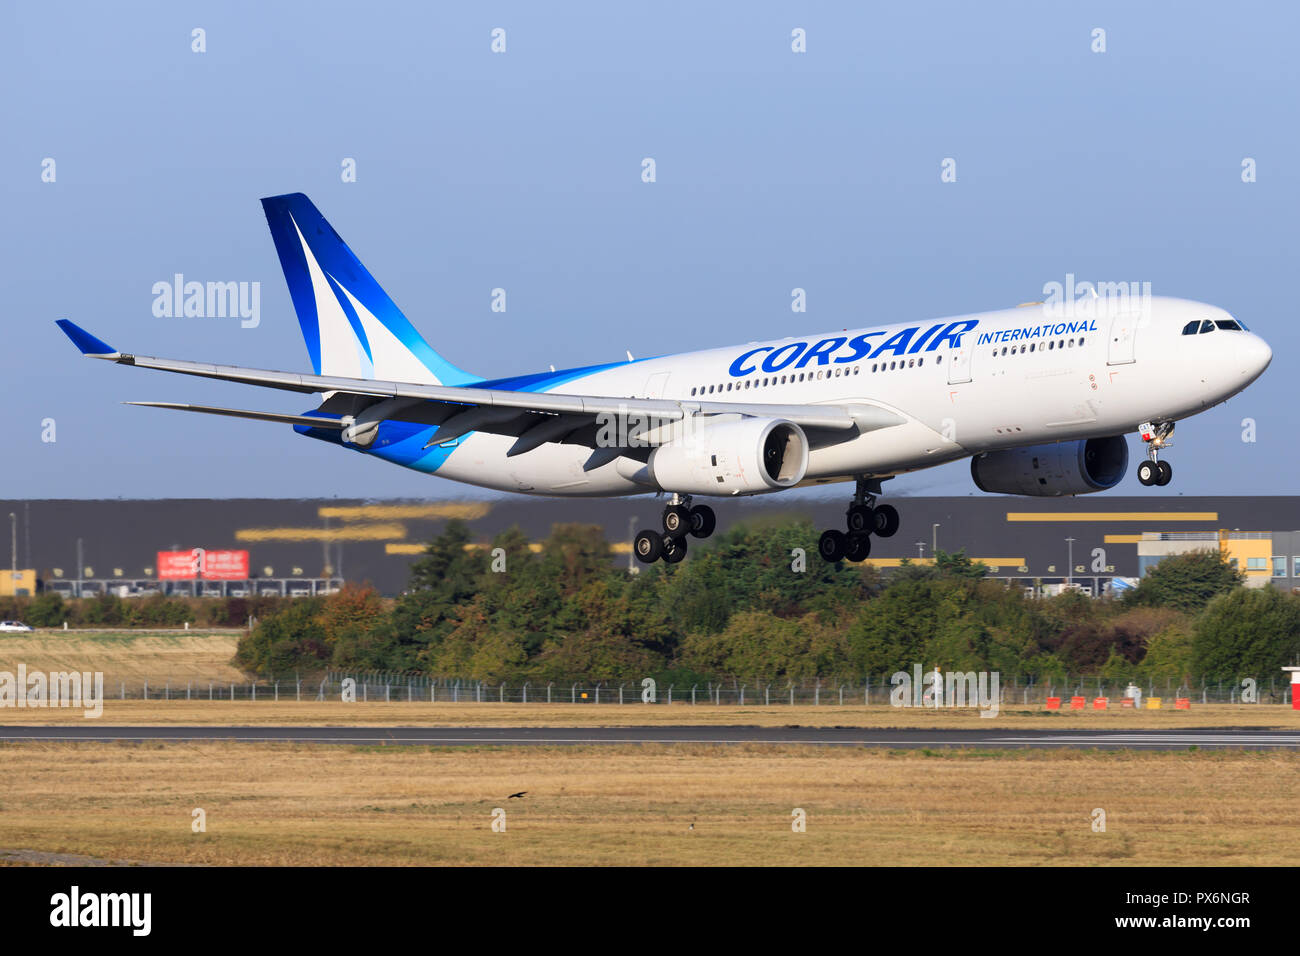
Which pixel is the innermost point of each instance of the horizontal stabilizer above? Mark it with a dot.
(309, 420)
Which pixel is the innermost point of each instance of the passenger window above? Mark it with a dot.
(1191, 327)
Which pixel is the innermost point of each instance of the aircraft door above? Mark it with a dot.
(959, 360)
(1123, 336)
(656, 385)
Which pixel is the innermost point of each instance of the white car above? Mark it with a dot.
(13, 627)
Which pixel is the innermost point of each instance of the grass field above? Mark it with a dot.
(290, 804)
(131, 656)
(335, 713)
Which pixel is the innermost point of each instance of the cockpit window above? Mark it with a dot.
(1191, 327)
(1229, 324)
(1207, 326)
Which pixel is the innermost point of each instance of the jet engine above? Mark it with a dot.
(1057, 468)
(734, 457)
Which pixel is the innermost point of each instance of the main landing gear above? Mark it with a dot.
(680, 520)
(1153, 471)
(863, 519)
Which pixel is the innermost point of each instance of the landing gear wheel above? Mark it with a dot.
(677, 521)
(674, 549)
(703, 521)
(833, 545)
(859, 547)
(648, 546)
(886, 520)
(1166, 473)
(1149, 472)
(861, 519)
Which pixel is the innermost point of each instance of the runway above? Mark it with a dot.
(1204, 738)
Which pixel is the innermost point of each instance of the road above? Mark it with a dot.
(1203, 738)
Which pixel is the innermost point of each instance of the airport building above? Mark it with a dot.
(299, 546)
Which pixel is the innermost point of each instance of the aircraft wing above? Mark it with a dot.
(533, 417)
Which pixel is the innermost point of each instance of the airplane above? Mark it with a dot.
(1040, 397)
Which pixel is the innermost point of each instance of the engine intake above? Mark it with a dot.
(1058, 468)
(736, 457)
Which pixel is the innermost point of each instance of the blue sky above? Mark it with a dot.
(522, 170)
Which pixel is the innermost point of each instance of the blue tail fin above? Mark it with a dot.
(353, 329)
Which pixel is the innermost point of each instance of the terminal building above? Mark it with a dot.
(302, 546)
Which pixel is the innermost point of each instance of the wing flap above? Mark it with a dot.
(310, 420)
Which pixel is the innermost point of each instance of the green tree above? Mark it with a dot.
(48, 610)
(1186, 582)
(292, 640)
(1247, 632)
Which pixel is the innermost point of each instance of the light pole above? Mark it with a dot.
(1069, 568)
(920, 550)
(934, 540)
(13, 524)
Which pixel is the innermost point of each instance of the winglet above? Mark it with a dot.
(88, 344)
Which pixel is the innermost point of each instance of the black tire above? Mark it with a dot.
(1166, 474)
(886, 521)
(859, 547)
(832, 545)
(674, 549)
(648, 546)
(1148, 472)
(677, 521)
(703, 521)
(861, 519)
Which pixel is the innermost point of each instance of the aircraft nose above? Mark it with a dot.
(1253, 356)
(1256, 355)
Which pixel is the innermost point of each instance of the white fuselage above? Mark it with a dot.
(963, 385)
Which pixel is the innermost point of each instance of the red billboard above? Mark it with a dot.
(201, 563)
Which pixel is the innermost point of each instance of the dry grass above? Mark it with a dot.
(337, 714)
(155, 656)
(299, 804)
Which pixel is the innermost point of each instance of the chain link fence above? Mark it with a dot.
(387, 687)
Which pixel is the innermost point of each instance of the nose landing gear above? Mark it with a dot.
(680, 520)
(863, 519)
(1153, 471)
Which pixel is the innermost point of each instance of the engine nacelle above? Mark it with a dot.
(1058, 468)
(738, 457)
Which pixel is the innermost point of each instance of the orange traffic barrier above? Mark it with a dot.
(1127, 702)
(1076, 703)
(1053, 703)
(1182, 703)
(1100, 703)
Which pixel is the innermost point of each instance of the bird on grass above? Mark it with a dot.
(517, 796)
